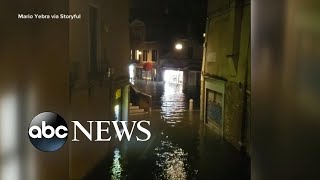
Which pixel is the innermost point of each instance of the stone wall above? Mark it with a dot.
(233, 114)
(227, 58)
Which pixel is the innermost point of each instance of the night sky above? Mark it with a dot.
(167, 19)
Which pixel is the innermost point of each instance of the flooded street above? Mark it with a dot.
(167, 94)
(181, 147)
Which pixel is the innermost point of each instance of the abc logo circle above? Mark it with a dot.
(48, 131)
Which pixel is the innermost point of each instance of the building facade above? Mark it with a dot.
(164, 23)
(76, 68)
(99, 54)
(143, 52)
(225, 77)
(185, 55)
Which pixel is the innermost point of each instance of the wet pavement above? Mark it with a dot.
(181, 147)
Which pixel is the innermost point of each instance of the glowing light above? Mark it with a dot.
(138, 54)
(173, 76)
(179, 46)
(117, 111)
(10, 168)
(131, 71)
(8, 124)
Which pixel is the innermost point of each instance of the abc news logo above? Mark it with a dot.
(48, 131)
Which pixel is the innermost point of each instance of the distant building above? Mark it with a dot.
(225, 79)
(162, 23)
(187, 59)
(185, 55)
(142, 52)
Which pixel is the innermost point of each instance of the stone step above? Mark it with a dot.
(136, 110)
(138, 113)
(134, 107)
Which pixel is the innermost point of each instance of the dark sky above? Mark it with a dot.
(166, 19)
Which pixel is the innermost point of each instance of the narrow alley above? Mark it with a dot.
(181, 146)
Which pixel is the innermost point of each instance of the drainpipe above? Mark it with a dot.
(244, 113)
(202, 81)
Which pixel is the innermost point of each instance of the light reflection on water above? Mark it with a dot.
(171, 161)
(116, 169)
(179, 148)
(172, 103)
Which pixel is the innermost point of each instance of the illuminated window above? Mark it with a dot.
(138, 55)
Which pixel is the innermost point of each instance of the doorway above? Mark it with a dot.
(173, 76)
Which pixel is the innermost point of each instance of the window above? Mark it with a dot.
(145, 55)
(190, 52)
(154, 55)
(139, 55)
(133, 54)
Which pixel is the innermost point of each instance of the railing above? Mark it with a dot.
(140, 99)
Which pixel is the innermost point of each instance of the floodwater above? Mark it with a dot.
(164, 94)
(180, 148)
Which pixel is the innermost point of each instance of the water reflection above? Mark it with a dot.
(172, 103)
(171, 162)
(180, 147)
(162, 91)
(116, 169)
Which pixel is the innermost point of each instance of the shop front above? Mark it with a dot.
(214, 104)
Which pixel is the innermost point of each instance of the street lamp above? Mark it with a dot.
(178, 46)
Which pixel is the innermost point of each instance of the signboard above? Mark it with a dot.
(118, 93)
(214, 107)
